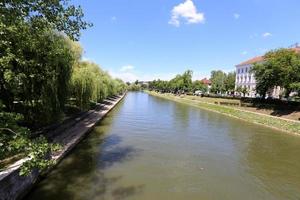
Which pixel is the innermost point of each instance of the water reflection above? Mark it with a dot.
(82, 174)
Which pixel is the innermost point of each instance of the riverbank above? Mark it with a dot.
(13, 186)
(285, 125)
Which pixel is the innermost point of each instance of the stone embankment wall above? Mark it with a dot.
(13, 186)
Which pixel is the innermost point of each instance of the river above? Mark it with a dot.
(150, 148)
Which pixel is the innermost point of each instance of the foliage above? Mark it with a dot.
(180, 84)
(229, 82)
(218, 79)
(280, 68)
(40, 69)
(15, 140)
(134, 87)
(242, 90)
(296, 87)
(90, 83)
(36, 57)
(198, 85)
(38, 76)
(55, 15)
(38, 151)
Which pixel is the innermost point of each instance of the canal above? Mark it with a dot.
(150, 148)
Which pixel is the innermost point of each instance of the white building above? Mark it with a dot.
(246, 79)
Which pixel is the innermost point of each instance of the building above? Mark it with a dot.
(246, 79)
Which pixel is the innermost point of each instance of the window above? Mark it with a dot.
(246, 70)
(238, 71)
(242, 70)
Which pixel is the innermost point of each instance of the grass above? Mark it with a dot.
(257, 118)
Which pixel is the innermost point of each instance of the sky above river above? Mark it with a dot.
(149, 39)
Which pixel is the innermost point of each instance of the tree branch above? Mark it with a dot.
(8, 129)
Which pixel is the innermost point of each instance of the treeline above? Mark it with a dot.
(220, 82)
(182, 83)
(281, 68)
(41, 72)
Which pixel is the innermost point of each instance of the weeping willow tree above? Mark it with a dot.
(89, 83)
(36, 61)
(36, 79)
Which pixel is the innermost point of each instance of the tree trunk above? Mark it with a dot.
(5, 96)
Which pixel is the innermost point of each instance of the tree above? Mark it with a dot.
(296, 87)
(36, 59)
(280, 68)
(89, 83)
(242, 90)
(230, 82)
(187, 80)
(198, 85)
(218, 81)
(55, 15)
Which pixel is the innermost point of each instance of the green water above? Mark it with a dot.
(149, 148)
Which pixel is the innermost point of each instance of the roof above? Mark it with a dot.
(261, 58)
(206, 81)
(252, 61)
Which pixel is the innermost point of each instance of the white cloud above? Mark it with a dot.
(113, 18)
(267, 34)
(187, 11)
(127, 68)
(236, 16)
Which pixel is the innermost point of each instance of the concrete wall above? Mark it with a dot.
(13, 186)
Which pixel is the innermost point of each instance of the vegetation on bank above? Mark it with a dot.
(183, 83)
(41, 72)
(273, 122)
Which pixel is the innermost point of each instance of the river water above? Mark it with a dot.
(150, 148)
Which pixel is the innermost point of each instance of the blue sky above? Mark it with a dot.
(148, 39)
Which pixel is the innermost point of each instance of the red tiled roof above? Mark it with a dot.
(252, 61)
(206, 81)
(261, 58)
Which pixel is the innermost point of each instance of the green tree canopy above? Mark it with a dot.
(281, 67)
(218, 79)
(229, 82)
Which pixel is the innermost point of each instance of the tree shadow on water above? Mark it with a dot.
(124, 192)
(116, 155)
(82, 174)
